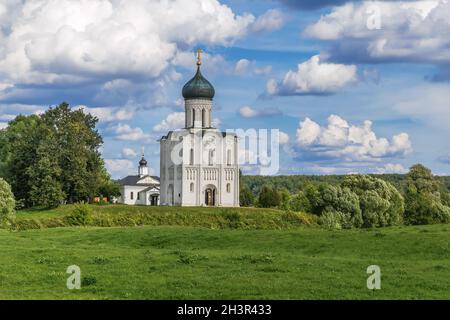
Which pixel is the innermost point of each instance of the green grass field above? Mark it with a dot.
(185, 262)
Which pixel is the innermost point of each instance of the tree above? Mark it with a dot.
(300, 202)
(54, 155)
(381, 204)
(269, 197)
(423, 200)
(285, 199)
(340, 202)
(246, 198)
(7, 202)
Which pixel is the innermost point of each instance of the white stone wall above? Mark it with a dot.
(216, 170)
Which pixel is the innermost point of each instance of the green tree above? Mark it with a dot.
(285, 199)
(269, 197)
(300, 202)
(246, 198)
(64, 143)
(423, 200)
(7, 202)
(381, 204)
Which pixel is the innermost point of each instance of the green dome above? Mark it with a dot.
(198, 87)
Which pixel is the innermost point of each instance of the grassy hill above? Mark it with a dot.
(182, 262)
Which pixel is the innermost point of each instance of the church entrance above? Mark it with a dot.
(154, 199)
(210, 197)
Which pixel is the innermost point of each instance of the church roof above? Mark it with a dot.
(198, 87)
(133, 181)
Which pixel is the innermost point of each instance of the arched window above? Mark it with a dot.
(228, 187)
(203, 118)
(229, 157)
(191, 188)
(191, 157)
(193, 117)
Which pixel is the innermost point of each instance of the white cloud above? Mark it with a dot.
(271, 20)
(283, 138)
(348, 142)
(3, 125)
(6, 117)
(246, 67)
(414, 30)
(249, 112)
(242, 66)
(108, 114)
(126, 133)
(129, 153)
(391, 168)
(314, 77)
(93, 38)
(173, 121)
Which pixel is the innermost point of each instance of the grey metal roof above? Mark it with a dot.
(132, 181)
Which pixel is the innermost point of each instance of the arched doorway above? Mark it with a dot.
(210, 196)
(170, 197)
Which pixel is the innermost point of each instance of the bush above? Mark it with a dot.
(81, 215)
(7, 202)
(331, 220)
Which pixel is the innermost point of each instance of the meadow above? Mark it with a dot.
(198, 262)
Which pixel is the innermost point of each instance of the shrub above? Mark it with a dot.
(299, 218)
(7, 202)
(81, 215)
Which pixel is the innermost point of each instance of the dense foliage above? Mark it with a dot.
(7, 202)
(54, 158)
(424, 204)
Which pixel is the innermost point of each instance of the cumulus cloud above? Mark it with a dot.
(283, 138)
(174, 120)
(129, 153)
(271, 20)
(91, 39)
(348, 142)
(409, 31)
(249, 112)
(245, 67)
(314, 77)
(108, 114)
(126, 133)
(391, 168)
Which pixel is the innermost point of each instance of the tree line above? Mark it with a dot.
(355, 200)
(54, 158)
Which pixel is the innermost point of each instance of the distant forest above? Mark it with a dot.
(295, 183)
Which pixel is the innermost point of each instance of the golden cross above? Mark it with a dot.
(199, 51)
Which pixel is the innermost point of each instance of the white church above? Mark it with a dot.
(198, 163)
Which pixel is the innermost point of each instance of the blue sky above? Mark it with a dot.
(357, 87)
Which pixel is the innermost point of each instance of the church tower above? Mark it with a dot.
(143, 169)
(199, 164)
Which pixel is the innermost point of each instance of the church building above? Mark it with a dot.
(198, 163)
(140, 189)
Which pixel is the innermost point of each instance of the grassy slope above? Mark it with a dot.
(169, 262)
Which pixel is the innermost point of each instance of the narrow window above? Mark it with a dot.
(192, 187)
(211, 157)
(203, 118)
(138, 196)
(229, 157)
(228, 187)
(132, 195)
(191, 157)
